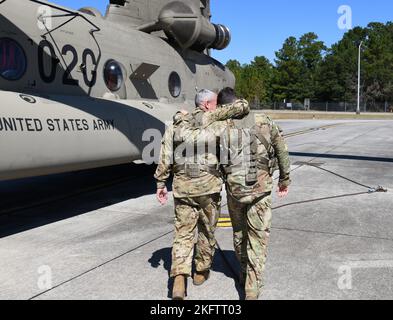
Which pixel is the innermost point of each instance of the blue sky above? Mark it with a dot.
(259, 27)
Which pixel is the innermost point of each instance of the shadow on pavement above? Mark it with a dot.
(163, 258)
(26, 192)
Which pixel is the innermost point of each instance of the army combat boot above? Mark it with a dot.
(179, 288)
(201, 277)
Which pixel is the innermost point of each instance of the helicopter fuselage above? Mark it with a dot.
(79, 91)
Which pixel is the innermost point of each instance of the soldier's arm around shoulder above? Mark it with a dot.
(282, 154)
(237, 110)
(164, 168)
(181, 116)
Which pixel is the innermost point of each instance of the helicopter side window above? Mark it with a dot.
(12, 60)
(174, 84)
(113, 75)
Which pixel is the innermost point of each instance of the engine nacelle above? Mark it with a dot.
(185, 24)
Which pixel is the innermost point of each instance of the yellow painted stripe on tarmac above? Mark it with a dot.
(224, 222)
(225, 225)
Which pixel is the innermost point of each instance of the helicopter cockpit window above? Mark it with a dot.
(113, 75)
(174, 84)
(12, 60)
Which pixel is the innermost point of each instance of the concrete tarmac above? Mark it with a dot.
(332, 237)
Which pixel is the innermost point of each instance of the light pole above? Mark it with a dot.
(358, 106)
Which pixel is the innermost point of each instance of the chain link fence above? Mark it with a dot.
(325, 106)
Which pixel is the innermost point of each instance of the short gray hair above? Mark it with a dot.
(204, 95)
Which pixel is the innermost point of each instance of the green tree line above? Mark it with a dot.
(306, 68)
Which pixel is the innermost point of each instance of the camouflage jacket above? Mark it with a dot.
(201, 126)
(256, 134)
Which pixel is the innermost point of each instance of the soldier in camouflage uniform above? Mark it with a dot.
(197, 184)
(256, 147)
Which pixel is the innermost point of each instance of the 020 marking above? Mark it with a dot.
(49, 76)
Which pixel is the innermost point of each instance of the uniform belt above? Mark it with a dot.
(213, 170)
(262, 164)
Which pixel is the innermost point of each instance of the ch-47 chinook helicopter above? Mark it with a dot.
(78, 89)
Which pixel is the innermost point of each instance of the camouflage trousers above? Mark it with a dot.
(251, 228)
(195, 221)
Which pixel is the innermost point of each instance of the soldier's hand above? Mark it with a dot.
(282, 191)
(162, 196)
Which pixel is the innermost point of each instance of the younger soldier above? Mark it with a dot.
(255, 144)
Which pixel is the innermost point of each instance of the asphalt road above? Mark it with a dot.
(331, 238)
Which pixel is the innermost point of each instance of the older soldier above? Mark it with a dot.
(197, 185)
(255, 146)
